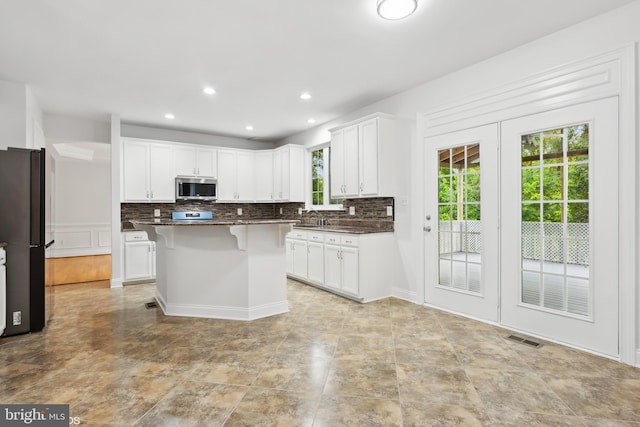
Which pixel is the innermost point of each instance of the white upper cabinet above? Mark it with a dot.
(263, 177)
(207, 162)
(363, 158)
(149, 169)
(195, 161)
(288, 173)
(147, 172)
(235, 176)
(368, 152)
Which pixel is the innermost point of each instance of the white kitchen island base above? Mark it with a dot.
(224, 271)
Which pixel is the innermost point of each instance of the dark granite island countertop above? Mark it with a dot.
(213, 222)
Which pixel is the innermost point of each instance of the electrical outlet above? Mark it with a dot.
(156, 212)
(280, 211)
(239, 211)
(17, 318)
(352, 210)
(389, 210)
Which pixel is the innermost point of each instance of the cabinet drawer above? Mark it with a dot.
(316, 237)
(135, 236)
(297, 234)
(349, 241)
(332, 238)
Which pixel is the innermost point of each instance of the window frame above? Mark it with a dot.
(326, 206)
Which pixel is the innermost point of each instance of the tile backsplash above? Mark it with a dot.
(369, 212)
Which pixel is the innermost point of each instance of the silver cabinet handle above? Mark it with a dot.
(361, 187)
(152, 194)
(427, 228)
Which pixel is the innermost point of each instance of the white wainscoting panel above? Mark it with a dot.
(81, 240)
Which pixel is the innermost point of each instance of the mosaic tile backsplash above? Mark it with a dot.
(369, 212)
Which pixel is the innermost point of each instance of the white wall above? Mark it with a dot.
(72, 129)
(147, 132)
(19, 110)
(82, 207)
(598, 35)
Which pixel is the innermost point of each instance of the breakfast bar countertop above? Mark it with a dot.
(167, 222)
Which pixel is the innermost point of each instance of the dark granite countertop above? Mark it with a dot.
(214, 222)
(3, 244)
(342, 229)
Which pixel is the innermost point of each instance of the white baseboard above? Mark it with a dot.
(405, 294)
(116, 283)
(228, 313)
(637, 364)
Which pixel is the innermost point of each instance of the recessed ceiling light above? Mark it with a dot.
(209, 90)
(248, 127)
(169, 116)
(396, 9)
(305, 95)
(311, 121)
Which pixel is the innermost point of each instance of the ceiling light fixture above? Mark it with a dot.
(305, 95)
(169, 116)
(209, 90)
(311, 121)
(396, 9)
(248, 127)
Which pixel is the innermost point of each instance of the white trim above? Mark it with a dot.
(229, 313)
(594, 78)
(80, 240)
(609, 74)
(405, 294)
(116, 283)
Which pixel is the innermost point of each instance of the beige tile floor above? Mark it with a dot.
(328, 362)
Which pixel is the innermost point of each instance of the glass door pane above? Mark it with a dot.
(459, 230)
(555, 220)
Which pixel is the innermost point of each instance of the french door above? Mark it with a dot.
(528, 238)
(559, 225)
(461, 222)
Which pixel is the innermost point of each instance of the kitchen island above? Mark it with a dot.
(224, 269)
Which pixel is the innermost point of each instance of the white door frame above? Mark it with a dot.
(606, 75)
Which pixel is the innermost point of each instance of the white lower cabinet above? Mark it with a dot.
(360, 267)
(139, 257)
(315, 262)
(297, 254)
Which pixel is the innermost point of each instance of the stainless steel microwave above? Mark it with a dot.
(194, 188)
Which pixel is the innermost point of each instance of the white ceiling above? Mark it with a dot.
(141, 59)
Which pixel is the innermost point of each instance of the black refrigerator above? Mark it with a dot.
(22, 215)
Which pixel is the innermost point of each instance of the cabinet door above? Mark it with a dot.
(226, 175)
(300, 258)
(295, 174)
(161, 174)
(137, 260)
(185, 161)
(277, 174)
(263, 177)
(351, 174)
(281, 174)
(368, 165)
(135, 172)
(207, 162)
(332, 266)
(244, 177)
(315, 262)
(337, 164)
(350, 276)
(289, 251)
